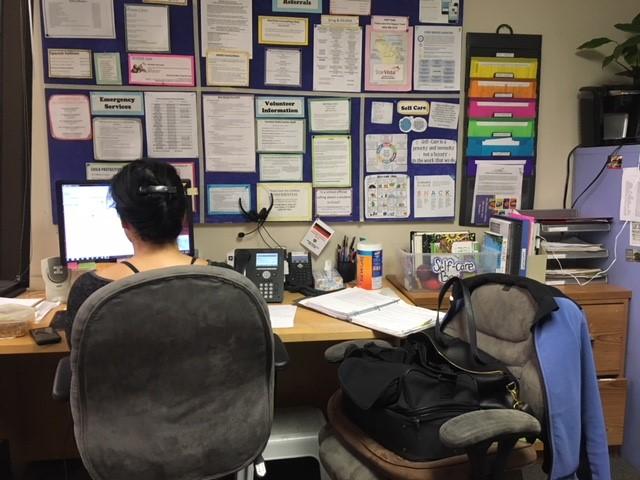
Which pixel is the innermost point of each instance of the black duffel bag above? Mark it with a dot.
(401, 396)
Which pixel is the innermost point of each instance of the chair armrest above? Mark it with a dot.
(62, 380)
(482, 425)
(335, 353)
(280, 354)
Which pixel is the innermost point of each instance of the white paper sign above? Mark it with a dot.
(331, 160)
(433, 150)
(107, 65)
(337, 59)
(278, 167)
(350, 7)
(69, 117)
(330, 115)
(69, 63)
(117, 138)
(225, 199)
(147, 28)
(291, 201)
(280, 135)
(229, 133)
(433, 196)
(437, 58)
(444, 115)
(226, 25)
(74, 19)
(386, 153)
(283, 67)
(630, 195)
(230, 69)
(382, 113)
(102, 171)
(171, 124)
(334, 202)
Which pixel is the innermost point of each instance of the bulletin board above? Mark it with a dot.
(402, 167)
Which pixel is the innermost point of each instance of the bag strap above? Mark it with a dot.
(469, 317)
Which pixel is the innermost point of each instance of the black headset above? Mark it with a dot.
(253, 216)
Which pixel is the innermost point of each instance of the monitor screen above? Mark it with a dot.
(89, 228)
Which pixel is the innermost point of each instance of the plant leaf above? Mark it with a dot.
(595, 43)
(608, 60)
(636, 21)
(628, 27)
(631, 54)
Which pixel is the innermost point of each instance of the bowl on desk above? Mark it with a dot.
(15, 320)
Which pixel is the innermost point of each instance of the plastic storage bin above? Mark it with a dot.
(429, 271)
(15, 320)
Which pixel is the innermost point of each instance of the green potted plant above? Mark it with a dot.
(625, 55)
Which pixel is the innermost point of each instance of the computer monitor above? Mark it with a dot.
(89, 228)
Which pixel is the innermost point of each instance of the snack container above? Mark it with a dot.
(15, 320)
(429, 271)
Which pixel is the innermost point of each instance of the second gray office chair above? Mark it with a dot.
(172, 376)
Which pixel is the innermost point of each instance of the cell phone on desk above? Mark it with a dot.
(265, 268)
(300, 269)
(44, 336)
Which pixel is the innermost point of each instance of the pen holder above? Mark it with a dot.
(347, 271)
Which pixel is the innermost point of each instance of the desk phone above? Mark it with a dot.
(265, 268)
(300, 269)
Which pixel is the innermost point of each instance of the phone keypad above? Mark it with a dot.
(266, 289)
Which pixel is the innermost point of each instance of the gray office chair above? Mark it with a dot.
(172, 375)
(504, 318)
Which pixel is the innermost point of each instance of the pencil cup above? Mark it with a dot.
(347, 271)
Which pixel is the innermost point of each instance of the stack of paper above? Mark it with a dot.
(569, 276)
(571, 245)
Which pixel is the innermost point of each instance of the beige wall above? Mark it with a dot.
(564, 24)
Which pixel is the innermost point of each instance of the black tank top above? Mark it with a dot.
(135, 270)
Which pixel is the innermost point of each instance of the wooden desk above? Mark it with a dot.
(40, 428)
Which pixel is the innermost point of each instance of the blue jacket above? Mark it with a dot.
(575, 414)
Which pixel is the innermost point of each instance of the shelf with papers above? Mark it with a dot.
(564, 255)
(575, 227)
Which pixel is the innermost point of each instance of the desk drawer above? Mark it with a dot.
(607, 325)
(613, 393)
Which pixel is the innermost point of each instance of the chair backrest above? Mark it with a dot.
(504, 319)
(172, 375)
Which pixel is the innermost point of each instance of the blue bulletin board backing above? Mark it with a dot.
(180, 31)
(404, 8)
(232, 178)
(68, 159)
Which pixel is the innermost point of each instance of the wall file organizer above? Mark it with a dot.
(501, 124)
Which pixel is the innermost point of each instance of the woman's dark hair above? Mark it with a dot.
(149, 196)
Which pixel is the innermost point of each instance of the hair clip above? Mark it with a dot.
(157, 189)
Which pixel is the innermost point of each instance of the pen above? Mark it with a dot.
(353, 240)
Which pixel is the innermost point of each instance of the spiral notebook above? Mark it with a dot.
(392, 316)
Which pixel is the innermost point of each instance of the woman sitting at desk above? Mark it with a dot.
(151, 202)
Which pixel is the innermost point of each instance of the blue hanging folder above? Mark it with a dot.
(500, 147)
